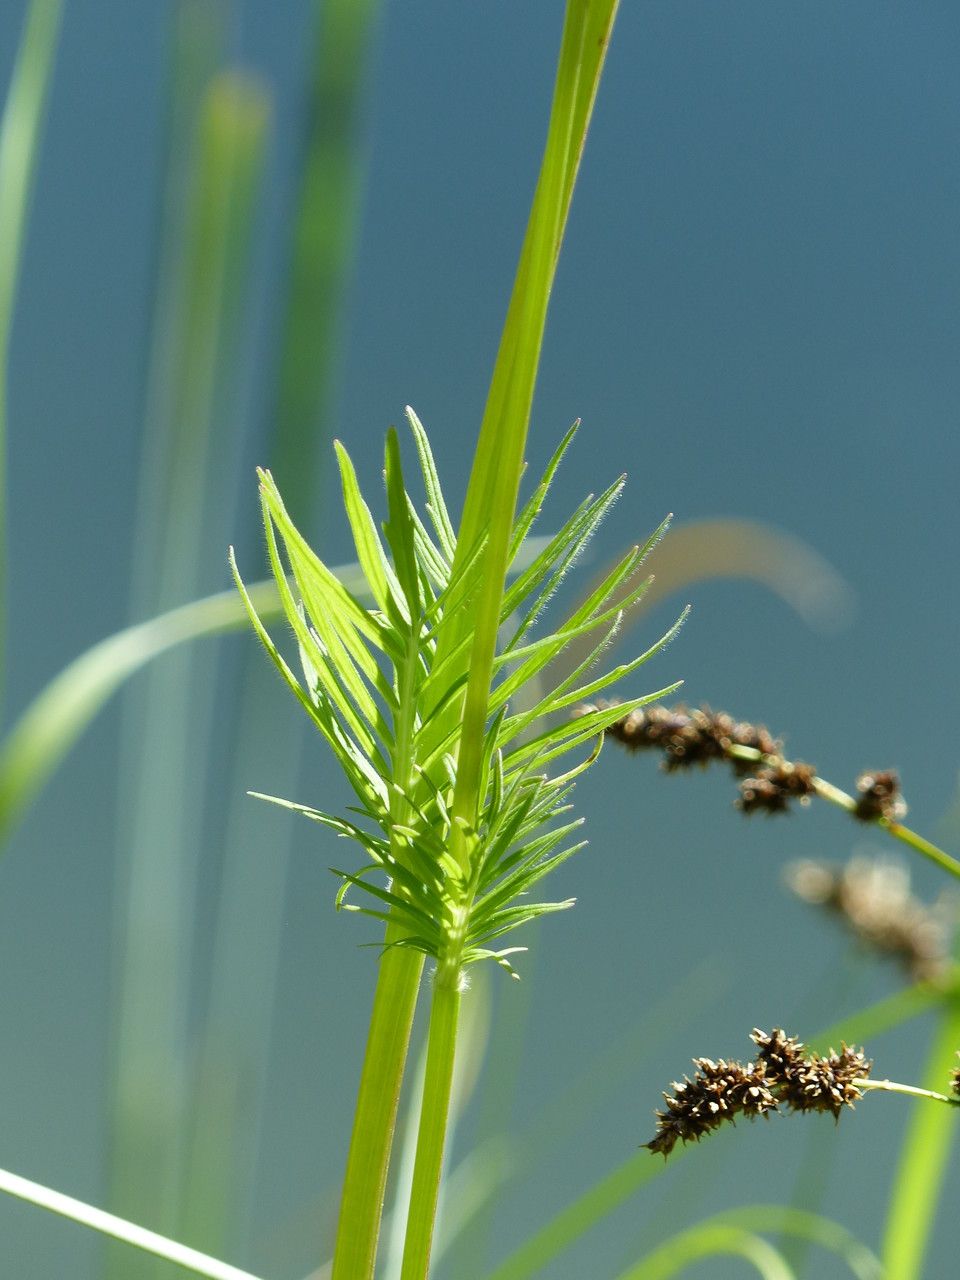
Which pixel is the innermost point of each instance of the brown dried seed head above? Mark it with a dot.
(879, 797)
(805, 1081)
(955, 1078)
(779, 1053)
(827, 1084)
(772, 789)
(718, 1092)
(873, 898)
(690, 737)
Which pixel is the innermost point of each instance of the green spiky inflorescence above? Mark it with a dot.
(389, 708)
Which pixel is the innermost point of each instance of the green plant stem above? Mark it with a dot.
(843, 800)
(119, 1229)
(923, 1164)
(911, 1090)
(441, 1051)
(364, 1183)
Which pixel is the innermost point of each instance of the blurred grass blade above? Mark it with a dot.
(580, 1216)
(235, 1041)
(20, 127)
(185, 506)
(861, 1262)
(324, 235)
(918, 1180)
(60, 713)
(708, 1240)
(128, 1233)
(705, 550)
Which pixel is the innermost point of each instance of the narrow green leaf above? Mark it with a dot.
(108, 1224)
(400, 529)
(380, 577)
(562, 549)
(340, 679)
(554, 742)
(532, 507)
(436, 505)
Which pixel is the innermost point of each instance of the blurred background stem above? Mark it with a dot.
(20, 128)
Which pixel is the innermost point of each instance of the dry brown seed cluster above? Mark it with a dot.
(696, 737)
(955, 1078)
(690, 737)
(719, 1091)
(879, 797)
(772, 789)
(873, 898)
(807, 1081)
(784, 1074)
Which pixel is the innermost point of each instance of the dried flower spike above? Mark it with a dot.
(872, 896)
(690, 737)
(806, 1081)
(784, 1074)
(772, 789)
(718, 1092)
(879, 797)
(955, 1078)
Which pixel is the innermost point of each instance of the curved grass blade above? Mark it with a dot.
(684, 1247)
(59, 714)
(707, 1240)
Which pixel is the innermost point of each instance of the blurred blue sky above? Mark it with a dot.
(756, 315)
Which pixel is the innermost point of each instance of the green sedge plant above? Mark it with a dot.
(460, 813)
(386, 694)
(461, 728)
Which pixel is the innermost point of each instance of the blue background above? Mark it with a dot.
(756, 316)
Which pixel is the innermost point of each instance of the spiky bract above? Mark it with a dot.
(384, 684)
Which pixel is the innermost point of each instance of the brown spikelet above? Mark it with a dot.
(873, 898)
(955, 1078)
(718, 1092)
(771, 790)
(784, 1073)
(828, 1084)
(879, 796)
(778, 1053)
(806, 1081)
(690, 737)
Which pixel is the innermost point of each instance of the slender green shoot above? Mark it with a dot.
(108, 1224)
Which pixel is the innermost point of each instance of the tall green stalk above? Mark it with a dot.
(441, 1049)
(445, 742)
(489, 508)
